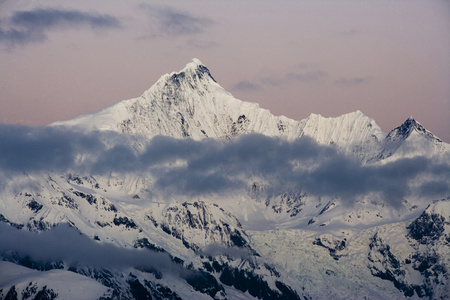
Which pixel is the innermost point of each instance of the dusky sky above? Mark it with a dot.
(389, 59)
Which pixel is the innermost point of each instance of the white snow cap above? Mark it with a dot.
(195, 62)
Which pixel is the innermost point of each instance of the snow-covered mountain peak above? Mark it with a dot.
(411, 139)
(165, 104)
(193, 71)
(409, 127)
(194, 77)
(194, 63)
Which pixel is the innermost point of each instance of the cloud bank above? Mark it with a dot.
(28, 149)
(192, 168)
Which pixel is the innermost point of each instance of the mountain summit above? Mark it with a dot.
(195, 68)
(409, 127)
(411, 139)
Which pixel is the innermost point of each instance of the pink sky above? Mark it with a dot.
(389, 59)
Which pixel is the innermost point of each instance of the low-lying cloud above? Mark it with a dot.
(27, 149)
(64, 243)
(193, 168)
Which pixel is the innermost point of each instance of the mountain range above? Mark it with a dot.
(189, 193)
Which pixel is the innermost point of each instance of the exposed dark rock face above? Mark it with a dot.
(46, 294)
(427, 228)
(206, 284)
(12, 294)
(239, 126)
(39, 225)
(128, 223)
(34, 205)
(333, 246)
(67, 202)
(255, 285)
(289, 202)
(144, 243)
(137, 289)
(89, 198)
(30, 292)
(202, 71)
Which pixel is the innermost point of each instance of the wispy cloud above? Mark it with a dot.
(310, 76)
(174, 22)
(272, 80)
(303, 74)
(32, 26)
(353, 81)
(246, 85)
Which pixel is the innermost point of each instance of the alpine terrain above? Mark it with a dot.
(189, 193)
